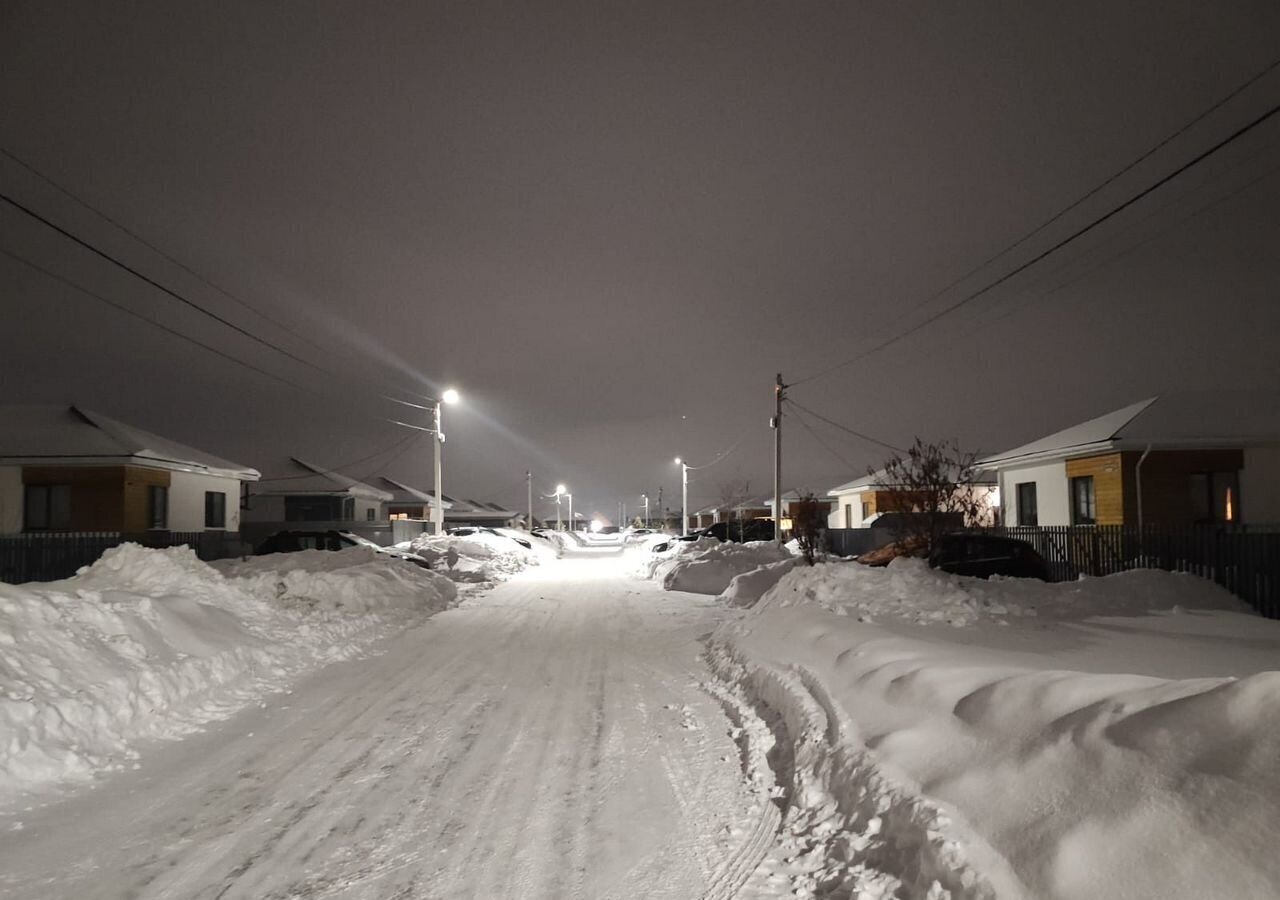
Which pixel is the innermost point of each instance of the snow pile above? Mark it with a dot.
(150, 644)
(481, 556)
(706, 566)
(1012, 760)
(908, 589)
(747, 588)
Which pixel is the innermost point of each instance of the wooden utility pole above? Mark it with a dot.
(778, 389)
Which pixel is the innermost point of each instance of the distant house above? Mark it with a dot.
(1174, 459)
(66, 468)
(415, 504)
(308, 493)
(790, 499)
(859, 503)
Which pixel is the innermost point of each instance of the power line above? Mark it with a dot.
(402, 445)
(845, 428)
(203, 279)
(807, 427)
(185, 337)
(968, 298)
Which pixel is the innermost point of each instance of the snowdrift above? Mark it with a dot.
(1039, 751)
(482, 557)
(707, 566)
(150, 644)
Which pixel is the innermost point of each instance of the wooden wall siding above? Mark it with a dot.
(872, 499)
(136, 516)
(97, 493)
(1108, 485)
(1166, 490)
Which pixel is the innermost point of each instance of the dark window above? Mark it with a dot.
(1084, 508)
(215, 509)
(319, 509)
(866, 510)
(48, 507)
(370, 513)
(157, 506)
(1215, 496)
(1028, 512)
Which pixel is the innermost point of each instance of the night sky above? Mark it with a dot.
(610, 225)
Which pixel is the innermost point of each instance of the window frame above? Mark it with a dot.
(1089, 516)
(1021, 490)
(48, 508)
(211, 506)
(157, 513)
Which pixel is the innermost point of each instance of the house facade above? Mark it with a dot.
(859, 503)
(68, 469)
(1195, 458)
(308, 496)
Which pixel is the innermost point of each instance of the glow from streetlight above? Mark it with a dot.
(679, 460)
(450, 396)
(560, 489)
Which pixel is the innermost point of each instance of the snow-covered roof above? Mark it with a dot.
(403, 493)
(872, 480)
(72, 435)
(312, 479)
(1180, 420)
(792, 497)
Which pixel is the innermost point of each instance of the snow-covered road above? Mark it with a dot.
(547, 739)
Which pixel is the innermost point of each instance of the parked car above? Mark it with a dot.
(464, 530)
(294, 541)
(750, 530)
(977, 555)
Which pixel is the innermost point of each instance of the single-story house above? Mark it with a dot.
(1196, 457)
(407, 502)
(66, 468)
(858, 503)
(313, 494)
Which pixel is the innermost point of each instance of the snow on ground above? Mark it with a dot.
(706, 566)
(1113, 737)
(482, 557)
(150, 644)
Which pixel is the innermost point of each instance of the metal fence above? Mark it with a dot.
(49, 557)
(1244, 560)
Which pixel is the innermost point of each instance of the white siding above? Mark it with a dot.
(362, 510)
(1260, 486)
(10, 499)
(1051, 493)
(186, 501)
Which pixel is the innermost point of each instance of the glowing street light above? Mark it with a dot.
(560, 490)
(684, 495)
(451, 397)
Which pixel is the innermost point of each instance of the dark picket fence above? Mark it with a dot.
(1244, 560)
(49, 557)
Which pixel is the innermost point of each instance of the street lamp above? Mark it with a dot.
(450, 396)
(684, 495)
(559, 490)
(570, 496)
(645, 498)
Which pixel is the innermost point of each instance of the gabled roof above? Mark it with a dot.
(1182, 420)
(872, 480)
(312, 479)
(791, 497)
(403, 493)
(72, 435)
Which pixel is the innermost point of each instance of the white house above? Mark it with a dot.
(66, 468)
(1197, 457)
(313, 494)
(858, 503)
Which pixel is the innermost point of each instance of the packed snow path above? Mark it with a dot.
(548, 739)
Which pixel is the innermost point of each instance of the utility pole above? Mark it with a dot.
(779, 387)
(645, 498)
(661, 509)
(528, 479)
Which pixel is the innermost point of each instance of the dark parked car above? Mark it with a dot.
(751, 530)
(464, 530)
(293, 541)
(978, 555)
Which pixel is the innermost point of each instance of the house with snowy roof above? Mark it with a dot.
(1195, 457)
(70, 469)
(861, 502)
(407, 502)
(307, 493)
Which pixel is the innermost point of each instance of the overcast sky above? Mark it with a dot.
(610, 225)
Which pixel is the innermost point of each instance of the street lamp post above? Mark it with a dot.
(559, 492)
(684, 495)
(570, 496)
(437, 512)
(645, 498)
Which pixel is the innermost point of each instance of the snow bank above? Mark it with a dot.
(988, 761)
(909, 590)
(747, 588)
(707, 566)
(482, 557)
(150, 644)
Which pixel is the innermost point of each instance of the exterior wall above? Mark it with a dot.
(263, 508)
(186, 501)
(136, 518)
(11, 497)
(97, 493)
(1166, 494)
(1051, 493)
(1259, 486)
(1107, 472)
(362, 510)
